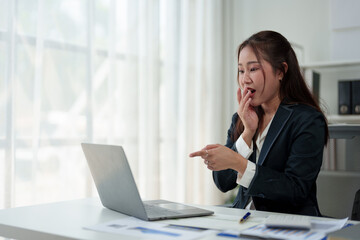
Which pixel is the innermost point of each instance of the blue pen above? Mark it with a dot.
(245, 217)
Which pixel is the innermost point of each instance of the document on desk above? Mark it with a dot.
(218, 221)
(319, 229)
(151, 230)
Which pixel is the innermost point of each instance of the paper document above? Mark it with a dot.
(217, 221)
(151, 230)
(319, 229)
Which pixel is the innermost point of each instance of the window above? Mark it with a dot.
(116, 72)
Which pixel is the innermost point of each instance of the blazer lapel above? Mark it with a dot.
(281, 117)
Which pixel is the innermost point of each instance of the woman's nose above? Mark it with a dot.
(246, 78)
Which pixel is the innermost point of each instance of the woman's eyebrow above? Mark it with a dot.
(248, 63)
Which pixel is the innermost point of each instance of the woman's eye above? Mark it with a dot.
(241, 71)
(253, 69)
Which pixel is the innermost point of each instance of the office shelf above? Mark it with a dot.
(342, 152)
(343, 119)
(344, 131)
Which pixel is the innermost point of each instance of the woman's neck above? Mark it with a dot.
(269, 112)
(271, 107)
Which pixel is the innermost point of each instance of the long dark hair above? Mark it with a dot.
(276, 49)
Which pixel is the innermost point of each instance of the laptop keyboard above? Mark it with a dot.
(155, 211)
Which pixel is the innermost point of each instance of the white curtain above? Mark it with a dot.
(156, 76)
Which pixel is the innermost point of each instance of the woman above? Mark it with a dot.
(276, 139)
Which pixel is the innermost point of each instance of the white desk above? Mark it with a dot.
(65, 220)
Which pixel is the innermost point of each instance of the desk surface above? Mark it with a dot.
(65, 220)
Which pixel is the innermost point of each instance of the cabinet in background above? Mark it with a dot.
(339, 178)
(330, 73)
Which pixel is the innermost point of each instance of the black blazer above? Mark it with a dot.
(288, 165)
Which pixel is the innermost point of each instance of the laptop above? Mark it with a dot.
(117, 189)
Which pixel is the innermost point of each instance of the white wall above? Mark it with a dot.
(328, 30)
(345, 26)
(305, 22)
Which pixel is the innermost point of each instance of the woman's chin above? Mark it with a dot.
(254, 104)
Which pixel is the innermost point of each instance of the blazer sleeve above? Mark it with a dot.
(225, 180)
(291, 173)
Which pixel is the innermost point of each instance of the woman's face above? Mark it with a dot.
(258, 77)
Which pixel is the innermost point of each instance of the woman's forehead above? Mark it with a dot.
(247, 56)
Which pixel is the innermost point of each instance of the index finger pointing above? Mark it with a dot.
(197, 154)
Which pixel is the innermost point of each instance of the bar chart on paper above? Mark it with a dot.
(281, 233)
(319, 229)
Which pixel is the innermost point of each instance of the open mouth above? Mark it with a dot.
(252, 90)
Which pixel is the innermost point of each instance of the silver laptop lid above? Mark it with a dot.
(113, 179)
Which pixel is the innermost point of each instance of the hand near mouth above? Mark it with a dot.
(247, 114)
